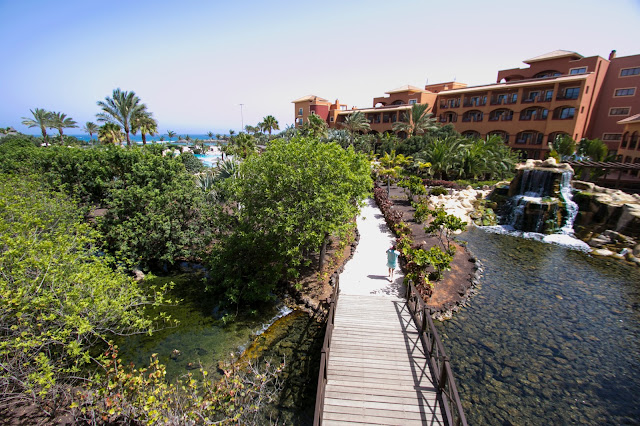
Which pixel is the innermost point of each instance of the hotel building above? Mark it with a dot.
(559, 93)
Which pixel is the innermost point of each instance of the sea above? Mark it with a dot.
(138, 138)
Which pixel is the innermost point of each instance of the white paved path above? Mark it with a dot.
(366, 273)
(377, 373)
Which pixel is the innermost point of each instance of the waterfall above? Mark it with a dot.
(571, 206)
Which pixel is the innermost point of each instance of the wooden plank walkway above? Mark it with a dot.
(378, 373)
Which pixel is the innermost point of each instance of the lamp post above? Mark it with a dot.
(241, 117)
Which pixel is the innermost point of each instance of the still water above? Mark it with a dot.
(272, 334)
(552, 337)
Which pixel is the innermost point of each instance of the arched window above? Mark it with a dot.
(501, 134)
(625, 140)
(554, 135)
(564, 113)
(548, 73)
(473, 115)
(529, 137)
(634, 140)
(398, 102)
(470, 134)
(501, 114)
(448, 117)
(535, 113)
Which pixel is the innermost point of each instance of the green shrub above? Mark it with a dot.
(438, 190)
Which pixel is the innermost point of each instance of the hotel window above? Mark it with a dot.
(412, 101)
(576, 71)
(331, 119)
(619, 111)
(625, 92)
(564, 113)
(299, 111)
(548, 95)
(629, 71)
(611, 137)
(571, 93)
(299, 121)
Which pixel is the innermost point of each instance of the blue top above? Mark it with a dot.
(392, 258)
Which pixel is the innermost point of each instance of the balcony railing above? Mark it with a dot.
(473, 104)
(501, 118)
(566, 98)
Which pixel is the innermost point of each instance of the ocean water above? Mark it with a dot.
(138, 138)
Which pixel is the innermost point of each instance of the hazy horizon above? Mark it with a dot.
(195, 62)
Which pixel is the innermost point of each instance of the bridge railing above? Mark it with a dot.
(438, 359)
(324, 354)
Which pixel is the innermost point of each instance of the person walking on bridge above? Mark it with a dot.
(392, 260)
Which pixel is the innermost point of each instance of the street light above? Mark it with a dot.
(241, 117)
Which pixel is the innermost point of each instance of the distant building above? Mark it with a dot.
(559, 93)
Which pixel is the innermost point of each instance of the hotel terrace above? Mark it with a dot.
(559, 93)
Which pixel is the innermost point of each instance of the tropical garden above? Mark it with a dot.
(80, 220)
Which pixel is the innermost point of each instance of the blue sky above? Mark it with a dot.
(194, 62)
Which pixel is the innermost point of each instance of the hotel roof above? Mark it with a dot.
(405, 88)
(520, 83)
(632, 119)
(554, 55)
(310, 98)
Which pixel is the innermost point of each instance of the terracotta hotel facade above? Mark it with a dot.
(559, 93)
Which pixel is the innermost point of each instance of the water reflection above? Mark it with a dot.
(552, 337)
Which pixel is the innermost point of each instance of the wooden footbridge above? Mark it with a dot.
(382, 363)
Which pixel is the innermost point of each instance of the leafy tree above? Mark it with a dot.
(122, 108)
(444, 225)
(59, 121)
(356, 122)
(270, 123)
(595, 149)
(110, 134)
(41, 118)
(564, 146)
(291, 198)
(91, 128)
(417, 121)
(57, 298)
(153, 209)
(191, 163)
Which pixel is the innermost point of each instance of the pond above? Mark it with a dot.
(273, 334)
(552, 337)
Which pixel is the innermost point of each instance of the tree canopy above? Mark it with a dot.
(287, 201)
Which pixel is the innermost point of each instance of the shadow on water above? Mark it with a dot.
(552, 337)
(201, 338)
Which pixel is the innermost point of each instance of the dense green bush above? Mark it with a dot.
(57, 297)
(284, 204)
(438, 190)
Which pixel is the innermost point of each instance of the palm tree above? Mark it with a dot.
(110, 133)
(170, 134)
(210, 134)
(120, 109)
(147, 125)
(270, 123)
(356, 122)
(316, 127)
(161, 138)
(231, 132)
(417, 121)
(443, 154)
(392, 165)
(41, 119)
(59, 121)
(90, 128)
